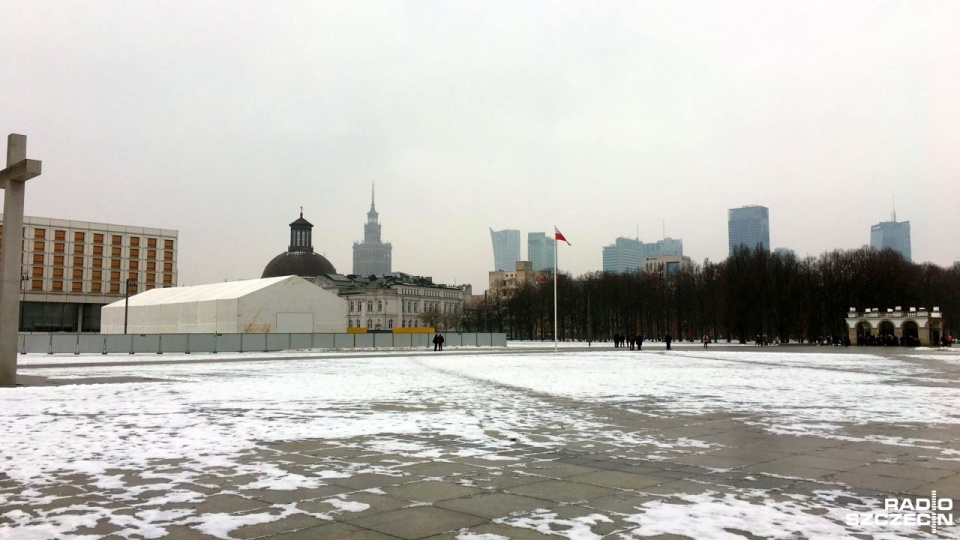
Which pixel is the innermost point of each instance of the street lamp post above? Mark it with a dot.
(126, 301)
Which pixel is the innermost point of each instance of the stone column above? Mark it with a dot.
(13, 179)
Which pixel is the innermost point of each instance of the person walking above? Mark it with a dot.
(639, 341)
(440, 338)
(668, 338)
(706, 340)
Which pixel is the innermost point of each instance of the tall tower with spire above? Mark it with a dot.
(373, 255)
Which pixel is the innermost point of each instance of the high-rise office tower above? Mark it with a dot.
(372, 256)
(748, 226)
(892, 234)
(506, 249)
(541, 250)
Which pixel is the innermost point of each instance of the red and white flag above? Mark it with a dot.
(559, 236)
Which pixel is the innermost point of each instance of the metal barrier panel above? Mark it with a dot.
(452, 340)
(228, 342)
(469, 339)
(91, 343)
(173, 343)
(364, 341)
(201, 343)
(146, 343)
(119, 343)
(424, 341)
(277, 342)
(484, 340)
(383, 341)
(344, 341)
(498, 340)
(326, 341)
(403, 340)
(63, 343)
(36, 343)
(301, 341)
(254, 342)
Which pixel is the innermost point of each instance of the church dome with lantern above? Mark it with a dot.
(299, 259)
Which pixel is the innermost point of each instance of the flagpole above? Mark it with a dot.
(556, 256)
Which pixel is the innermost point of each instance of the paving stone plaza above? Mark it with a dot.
(522, 442)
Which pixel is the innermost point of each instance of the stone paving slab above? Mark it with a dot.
(418, 522)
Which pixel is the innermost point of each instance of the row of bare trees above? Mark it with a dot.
(751, 293)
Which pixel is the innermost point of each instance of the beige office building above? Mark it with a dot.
(73, 268)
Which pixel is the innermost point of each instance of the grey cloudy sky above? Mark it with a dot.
(220, 119)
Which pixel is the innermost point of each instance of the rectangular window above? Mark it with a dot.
(150, 286)
(78, 273)
(78, 261)
(38, 245)
(78, 248)
(134, 240)
(114, 276)
(95, 286)
(117, 240)
(38, 258)
(134, 253)
(39, 233)
(132, 275)
(115, 288)
(151, 254)
(167, 279)
(168, 255)
(96, 275)
(134, 265)
(151, 265)
(151, 278)
(59, 247)
(115, 251)
(168, 244)
(58, 272)
(151, 242)
(59, 235)
(57, 286)
(36, 285)
(79, 236)
(114, 263)
(98, 263)
(168, 267)
(37, 272)
(98, 250)
(97, 238)
(77, 286)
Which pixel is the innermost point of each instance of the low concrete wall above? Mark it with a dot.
(55, 343)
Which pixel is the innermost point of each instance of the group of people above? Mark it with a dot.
(438, 342)
(621, 340)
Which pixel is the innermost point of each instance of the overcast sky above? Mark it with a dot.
(221, 119)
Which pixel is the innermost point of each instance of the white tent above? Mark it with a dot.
(272, 305)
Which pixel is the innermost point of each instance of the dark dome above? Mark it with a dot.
(298, 263)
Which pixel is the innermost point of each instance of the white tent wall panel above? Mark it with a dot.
(206, 317)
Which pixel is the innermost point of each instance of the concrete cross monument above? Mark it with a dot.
(12, 181)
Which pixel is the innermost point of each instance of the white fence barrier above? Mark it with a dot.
(217, 343)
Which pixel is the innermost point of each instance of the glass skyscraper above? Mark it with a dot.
(748, 226)
(892, 234)
(506, 249)
(541, 250)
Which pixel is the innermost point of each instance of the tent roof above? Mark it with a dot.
(202, 293)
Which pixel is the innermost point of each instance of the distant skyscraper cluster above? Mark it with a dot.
(629, 254)
(748, 226)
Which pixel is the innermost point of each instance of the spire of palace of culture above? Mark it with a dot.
(372, 256)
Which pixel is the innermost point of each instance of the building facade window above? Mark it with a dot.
(369, 324)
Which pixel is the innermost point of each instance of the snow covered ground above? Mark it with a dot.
(205, 417)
